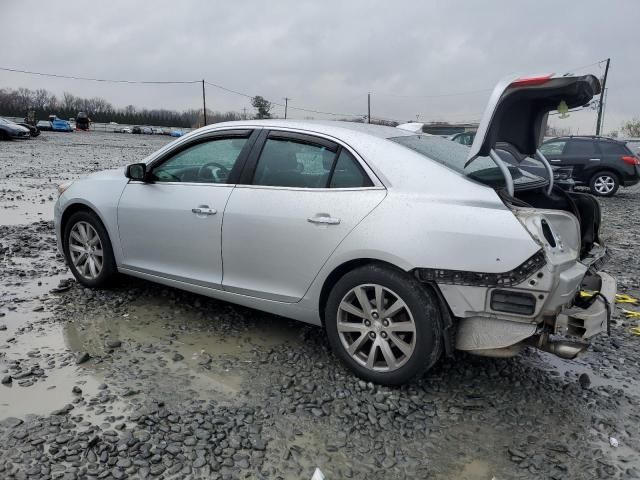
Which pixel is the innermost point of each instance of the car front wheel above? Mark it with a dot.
(604, 184)
(88, 250)
(383, 324)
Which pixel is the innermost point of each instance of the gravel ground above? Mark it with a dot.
(144, 381)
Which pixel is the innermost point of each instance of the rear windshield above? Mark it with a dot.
(454, 156)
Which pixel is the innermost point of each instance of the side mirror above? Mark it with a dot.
(136, 171)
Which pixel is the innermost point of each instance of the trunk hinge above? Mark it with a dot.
(547, 165)
(504, 169)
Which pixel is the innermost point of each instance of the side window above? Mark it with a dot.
(553, 148)
(612, 148)
(348, 173)
(289, 163)
(581, 148)
(207, 162)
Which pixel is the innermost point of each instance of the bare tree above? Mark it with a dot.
(631, 128)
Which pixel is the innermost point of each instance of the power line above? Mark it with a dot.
(229, 90)
(470, 92)
(105, 80)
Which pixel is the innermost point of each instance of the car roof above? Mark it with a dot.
(394, 164)
(336, 128)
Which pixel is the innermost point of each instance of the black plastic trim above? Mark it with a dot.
(481, 279)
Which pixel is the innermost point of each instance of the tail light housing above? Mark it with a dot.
(630, 160)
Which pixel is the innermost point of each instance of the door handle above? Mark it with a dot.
(555, 160)
(594, 159)
(204, 210)
(324, 220)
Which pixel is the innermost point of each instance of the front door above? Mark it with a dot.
(170, 225)
(306, 194)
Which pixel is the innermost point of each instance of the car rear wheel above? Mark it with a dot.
(604, 184)
(88, 250)
(383, 324)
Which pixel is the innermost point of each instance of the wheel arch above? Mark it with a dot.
(75, 207)
(447, 326)
(338, 272)
(606, 169)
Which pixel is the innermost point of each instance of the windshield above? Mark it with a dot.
(454, 155)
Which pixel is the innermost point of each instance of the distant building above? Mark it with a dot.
(445, 128)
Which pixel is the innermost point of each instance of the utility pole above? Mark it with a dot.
(204, 104)
(244, 113)
(604, 109)
(369, 107)
(601, 104)
(286, 103)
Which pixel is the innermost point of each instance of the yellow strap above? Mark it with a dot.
(624, 298)
(635, 331)
(587, 293)
(630, 313)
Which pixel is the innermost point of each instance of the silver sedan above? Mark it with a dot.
(402, 246)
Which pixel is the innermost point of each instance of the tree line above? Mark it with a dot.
(18, 102)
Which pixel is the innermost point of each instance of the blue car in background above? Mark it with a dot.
(59, 125)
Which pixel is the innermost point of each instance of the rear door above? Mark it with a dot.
(300, 197)
(584, 156)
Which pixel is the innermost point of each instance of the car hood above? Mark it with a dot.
(16, 128)
(518, 108)
(114, 174)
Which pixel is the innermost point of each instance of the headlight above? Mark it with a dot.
(63, 186)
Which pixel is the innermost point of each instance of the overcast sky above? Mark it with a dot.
(324, 55)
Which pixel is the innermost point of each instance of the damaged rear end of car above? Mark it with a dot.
(557, 299)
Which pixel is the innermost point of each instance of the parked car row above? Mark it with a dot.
(54, 124)
(137, 129)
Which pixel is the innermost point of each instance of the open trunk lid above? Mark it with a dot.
(518, 108)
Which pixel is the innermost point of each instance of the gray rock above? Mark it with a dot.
(584, 380)
(82, 358)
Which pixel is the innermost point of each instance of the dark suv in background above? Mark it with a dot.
(603, 164)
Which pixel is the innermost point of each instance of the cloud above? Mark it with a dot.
(324, 55)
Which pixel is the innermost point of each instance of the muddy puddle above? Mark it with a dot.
(150, 345)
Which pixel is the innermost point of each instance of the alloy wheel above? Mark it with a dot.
(376, 327)
(85, 250)
(604, 184)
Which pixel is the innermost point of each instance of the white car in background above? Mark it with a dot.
(401, 245)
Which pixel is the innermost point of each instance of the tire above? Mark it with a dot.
(604, 184)
(80, 259)
(4, 135)
(390, 364)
